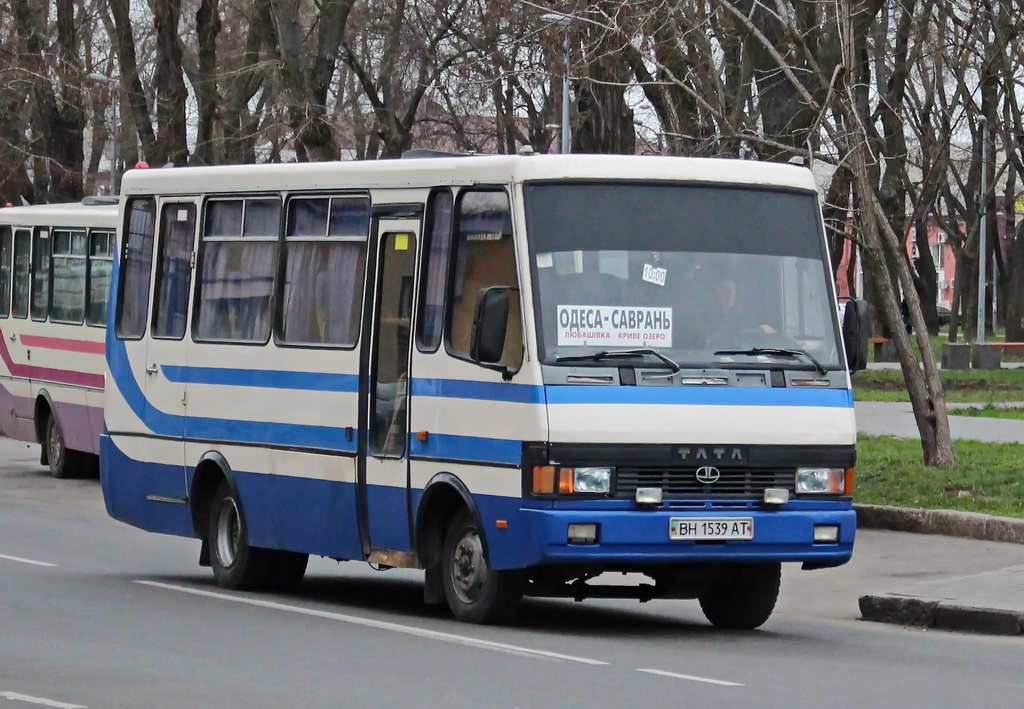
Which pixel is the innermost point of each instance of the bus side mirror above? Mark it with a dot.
(490, 321)
(856, 327)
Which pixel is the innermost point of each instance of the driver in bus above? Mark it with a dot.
(730, 316)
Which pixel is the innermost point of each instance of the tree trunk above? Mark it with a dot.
(131, 82)
(605, 121)
(307, 73)
(207, 96)
(923, 384)
(169, 85)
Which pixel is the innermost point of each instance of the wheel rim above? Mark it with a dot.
(469, 569)
(229, 532)
(55, 445)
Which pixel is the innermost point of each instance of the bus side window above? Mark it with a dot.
(41, 274)
(22, 281)
(436, 248)
(101, 256)
(484, 256)
(6, 255)
(69, 255)
(136, 268)
(173, 269)
(239, 256)
(324, 263)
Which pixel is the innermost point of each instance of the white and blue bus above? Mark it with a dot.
(513, 372)
(55, 265)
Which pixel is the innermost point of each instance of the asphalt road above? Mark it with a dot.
(96, 614)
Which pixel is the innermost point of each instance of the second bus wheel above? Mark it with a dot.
(475, 592)
(63, 463)
(236, 565)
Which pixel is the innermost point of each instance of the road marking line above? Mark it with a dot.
(692, 678)
(39, 700)
(25, 561)
(383, 625)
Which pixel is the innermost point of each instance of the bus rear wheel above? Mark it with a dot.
(287, 570)
(742, 596)
(236, 565)
(475, 592)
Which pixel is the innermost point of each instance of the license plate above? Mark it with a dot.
(704, 528)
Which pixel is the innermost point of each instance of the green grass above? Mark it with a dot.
(990, 411)
(987, 477)
(961, 386)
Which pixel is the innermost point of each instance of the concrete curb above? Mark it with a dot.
(972, 525)
(921, 613)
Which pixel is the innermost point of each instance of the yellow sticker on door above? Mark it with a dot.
(401, 242)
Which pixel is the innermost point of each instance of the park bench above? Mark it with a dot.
(880, 350)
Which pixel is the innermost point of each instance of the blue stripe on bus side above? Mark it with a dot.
(467, 448)
(323, 381)
(262, 378)
(326, 525)
(283, 434)
(700, 396)
(487, 391)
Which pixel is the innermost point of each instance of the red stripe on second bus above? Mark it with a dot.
(59, 343)
(62, 376)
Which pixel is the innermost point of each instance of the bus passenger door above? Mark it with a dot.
(384, 480)
(23, 406)
(166, 363)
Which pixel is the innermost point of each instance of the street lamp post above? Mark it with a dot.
(563, 20)
(982, 229)
(111, 116)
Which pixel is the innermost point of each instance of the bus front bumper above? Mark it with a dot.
(641, 539)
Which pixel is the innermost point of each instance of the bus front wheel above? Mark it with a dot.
(236, 565)
(742, 596)
(475, 592)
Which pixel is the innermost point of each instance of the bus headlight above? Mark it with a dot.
(592, 480)
(824, 481)
(552, 479)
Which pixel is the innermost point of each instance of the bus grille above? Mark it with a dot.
(682, 482)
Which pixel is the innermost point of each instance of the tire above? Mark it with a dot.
(287, 570)
(236, 565)
(63, 463)
(742, 596)
(475, 592)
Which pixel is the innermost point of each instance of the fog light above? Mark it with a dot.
(826, 533)
(582, 534)
(776, 496)
(648, 496)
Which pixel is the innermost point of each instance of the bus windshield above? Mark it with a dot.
(706, 276)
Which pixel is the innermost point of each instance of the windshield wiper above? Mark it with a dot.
(754, 351)
(618, 354)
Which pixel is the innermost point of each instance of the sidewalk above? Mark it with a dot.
(885, 418)
(986, 602)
